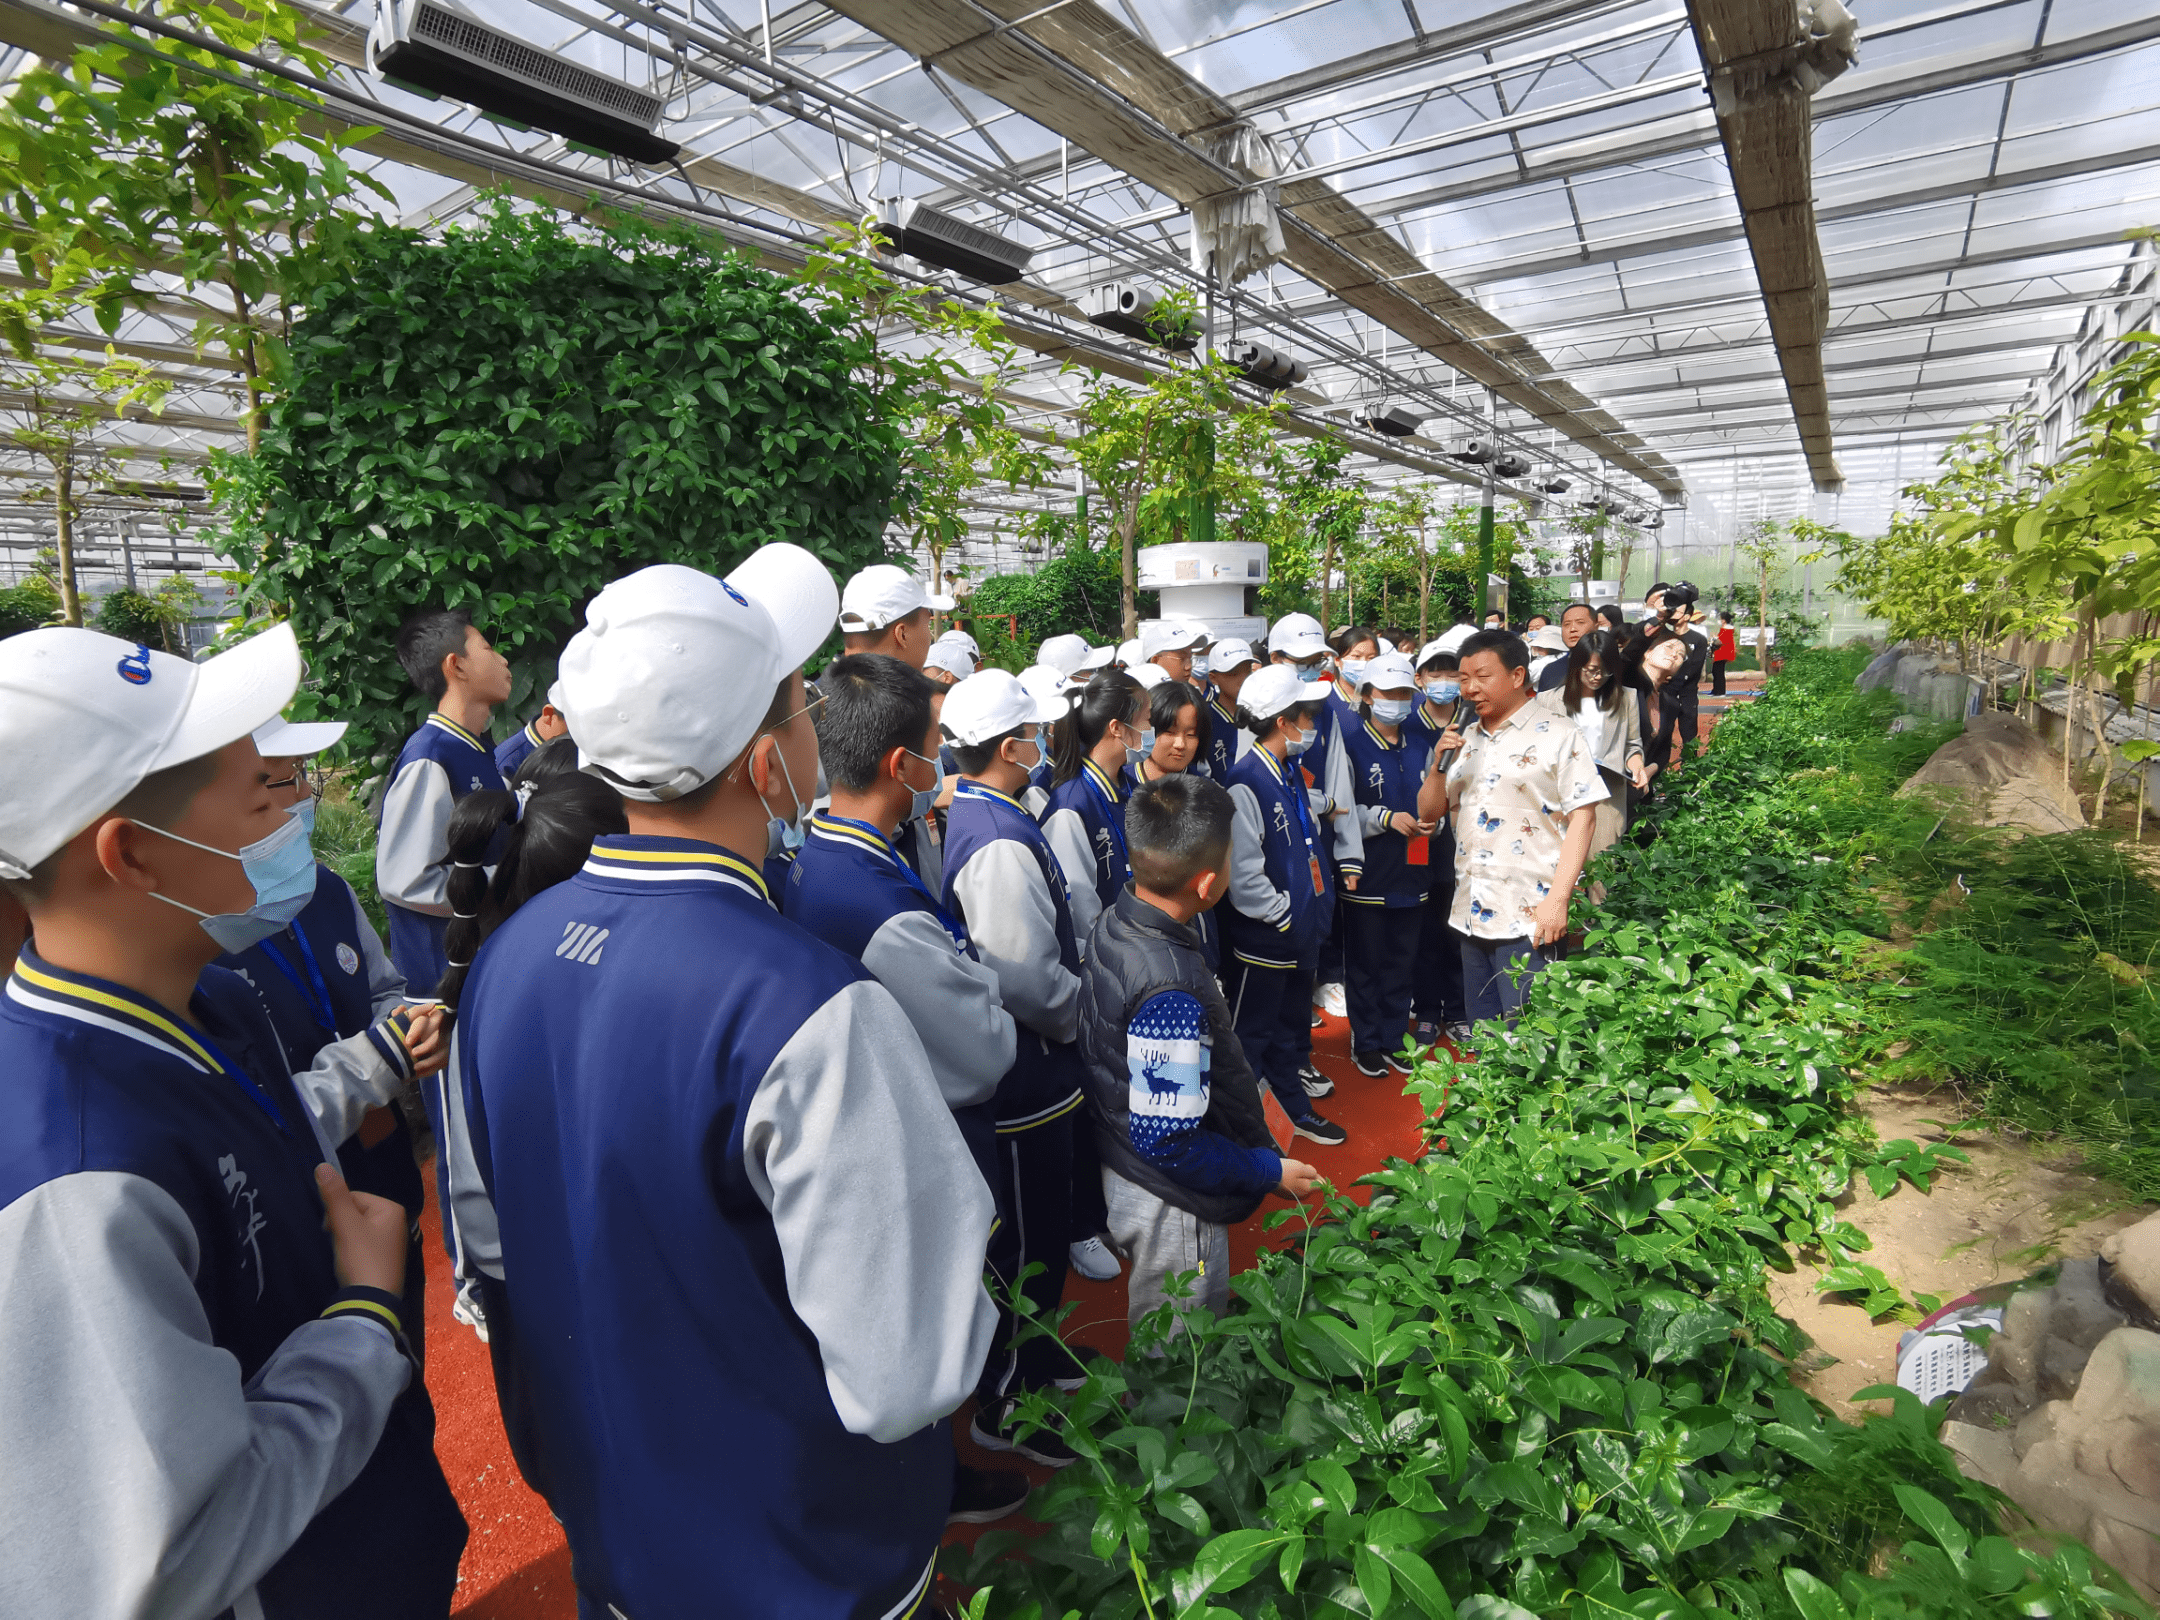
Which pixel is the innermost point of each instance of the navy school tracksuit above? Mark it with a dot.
(1004, 884)
(196, 1415)
(1222, 736)
(1382, 918)
(515, 749)
(1436, 985)
(329, 989)
(854, 889)
(439, 764)
(1281, 900)
(738, 1404)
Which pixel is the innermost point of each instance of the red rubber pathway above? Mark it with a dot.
(517, 1566)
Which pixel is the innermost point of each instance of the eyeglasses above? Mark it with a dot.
(301, 776)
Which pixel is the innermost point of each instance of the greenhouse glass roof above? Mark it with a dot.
(1537, 199)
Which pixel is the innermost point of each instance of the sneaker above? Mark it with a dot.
(985, 1495)
(1087, 1355)
(1426, 1033)
(1325, 1132)
(1371, 1065)
(1458, 1031)
(466, 1308)
(994, 1431)
(1397, 1062)
(1315, 1083)
(1318, 1022)
(1091, 1257)
(1331, 1000)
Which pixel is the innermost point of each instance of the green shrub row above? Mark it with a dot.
(1540, 1373)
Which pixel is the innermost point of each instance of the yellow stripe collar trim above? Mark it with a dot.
(830, 828)
(682, 857)
(438, 718)
(141, 1010)
(1101, 779)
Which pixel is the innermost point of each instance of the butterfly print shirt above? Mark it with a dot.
(1511, 790)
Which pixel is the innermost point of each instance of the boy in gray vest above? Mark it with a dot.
(1185, 1146)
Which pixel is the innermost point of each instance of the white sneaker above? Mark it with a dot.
(1330, 1000)
(466, 1308)
(1093, 1259)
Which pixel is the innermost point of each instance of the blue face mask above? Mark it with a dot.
(281, 868)
(1294, 746)
(304, 813)
(1199, 665)
(1391, 711)
(926, 798)
(1353, 668)
(1134, 755)
(1443, 691)
(785, 832)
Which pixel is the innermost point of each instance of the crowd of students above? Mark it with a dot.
(769, 1032)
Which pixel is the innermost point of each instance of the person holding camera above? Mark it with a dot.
(1672, 613)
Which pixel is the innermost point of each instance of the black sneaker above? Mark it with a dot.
(1371, 1065)
(1087, 1355)
(1325, 1132)
(1397, 1062)
(985, 1495)
(994, 1431)
(1315, 1083)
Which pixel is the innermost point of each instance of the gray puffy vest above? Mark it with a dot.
(1133, 952)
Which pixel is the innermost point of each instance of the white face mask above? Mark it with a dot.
(1035, 743)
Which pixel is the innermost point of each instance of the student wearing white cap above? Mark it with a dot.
(739, 1401)
(1399, 803)
(1004, 884)
(947, 662)
(1282, 896)
(543, 727)
(209, 1404)
(340, 1012)
(1170, 644)
(957, 637)
(886, 610)
(1062, 653)
(1436, 983)
(1229, 661)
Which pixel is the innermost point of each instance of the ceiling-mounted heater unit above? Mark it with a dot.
(441, 51)
(1267, 368)
(1131, 310)
(1477, 450)
(1389, 418)
(1510, 464)
(935, 237)
(1554, 482)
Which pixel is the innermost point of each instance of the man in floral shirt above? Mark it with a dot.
(1522, 789)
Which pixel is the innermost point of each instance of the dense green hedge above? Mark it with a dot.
(1541, 1374)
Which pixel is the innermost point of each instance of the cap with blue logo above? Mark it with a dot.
(674, 670)
(84, 717)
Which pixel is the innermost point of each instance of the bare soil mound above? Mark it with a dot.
(1998, 773)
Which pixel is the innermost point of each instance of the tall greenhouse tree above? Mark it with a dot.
(142, 173)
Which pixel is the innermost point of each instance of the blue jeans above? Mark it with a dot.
(1490, 989)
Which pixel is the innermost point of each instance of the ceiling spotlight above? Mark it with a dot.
(438, 50)
(1510, 464)
(1130, 310)
(935, 237)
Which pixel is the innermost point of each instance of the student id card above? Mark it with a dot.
(1319, 882)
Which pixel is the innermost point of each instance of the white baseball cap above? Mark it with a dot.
(1386, 672)
(951, 657)
(1297, 635)
(1046, 684)
(960, 638)
(555, 697)
(1149, 676)
(1062, 653)
(1452, 638)
(84, 717)
(1096, 658)
(297, 739)
(1270, 690)
(1170, 635)
(1228, 653)
(991, 703)
(666, 684)
(884, 595)
(1129, 653)
(1433, 649)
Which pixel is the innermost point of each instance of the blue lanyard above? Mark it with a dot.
(959, 934)
(244, 1081)
(314, 991)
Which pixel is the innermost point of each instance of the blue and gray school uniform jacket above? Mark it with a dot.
(439, 765)
(1084, 822)
(1275, 917)
(515, 749)
(851, 888)
(1004, 885)
(1386, 777)
(329, 991)
(196, 1418)
(1222, 736)
(739, 1234)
